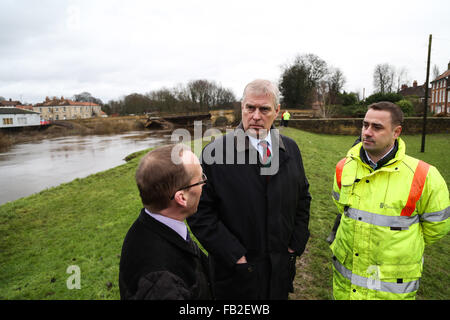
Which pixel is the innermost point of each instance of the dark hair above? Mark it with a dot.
(392, 108)
(159, 176)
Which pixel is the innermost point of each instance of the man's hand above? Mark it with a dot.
(242, 260)
(290, 250)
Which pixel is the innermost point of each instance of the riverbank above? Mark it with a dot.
(92, 126)
(83, 223)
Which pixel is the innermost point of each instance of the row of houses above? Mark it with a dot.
(15, 114)
(438, 94)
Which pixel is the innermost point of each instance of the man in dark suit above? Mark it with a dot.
(159, 260)
(254, 212)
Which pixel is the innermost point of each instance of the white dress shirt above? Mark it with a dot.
(257, 146)
(176, 225)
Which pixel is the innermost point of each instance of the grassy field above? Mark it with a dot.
(83, 223)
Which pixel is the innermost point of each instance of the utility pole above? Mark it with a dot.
(425, 107)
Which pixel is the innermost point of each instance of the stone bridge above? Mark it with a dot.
(222, 117)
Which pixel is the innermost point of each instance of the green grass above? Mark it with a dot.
(84, 222)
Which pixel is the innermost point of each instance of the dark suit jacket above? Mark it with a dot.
(156, 263)
(242, 212)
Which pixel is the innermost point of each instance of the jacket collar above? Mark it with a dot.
(355, 152)
(166, 233)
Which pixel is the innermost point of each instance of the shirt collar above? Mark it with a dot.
(176, 225)
(384, 159)
(241, 147)
(255, 142)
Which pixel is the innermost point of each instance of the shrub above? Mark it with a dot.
(377, 97)
(348, 99)
(406, 106)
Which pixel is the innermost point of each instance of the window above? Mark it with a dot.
(7, 121)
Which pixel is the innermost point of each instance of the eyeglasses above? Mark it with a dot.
(203, 181)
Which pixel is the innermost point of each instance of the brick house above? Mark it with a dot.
(440, 97)
(415, 94)
(65, 109)
(415, 90)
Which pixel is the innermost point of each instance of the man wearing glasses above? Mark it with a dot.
(159, 260)
(253, 222)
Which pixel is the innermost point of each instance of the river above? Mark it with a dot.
(32, 167)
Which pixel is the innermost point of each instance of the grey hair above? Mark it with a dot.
(263, 87)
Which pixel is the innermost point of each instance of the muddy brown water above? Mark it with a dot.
(31, 167)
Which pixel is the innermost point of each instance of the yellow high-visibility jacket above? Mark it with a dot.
(286, 116)
(388, 215)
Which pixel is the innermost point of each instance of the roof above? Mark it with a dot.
(9, 103)
(442, 76)
(413, 91)
(64, 102)
(7, 110)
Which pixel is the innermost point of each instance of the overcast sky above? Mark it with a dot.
(114, 48)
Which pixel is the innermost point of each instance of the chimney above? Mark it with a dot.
(404, 86)
(448, 67)
(47, 99)
(415, 84)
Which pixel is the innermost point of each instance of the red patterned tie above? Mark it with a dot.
(266, 152)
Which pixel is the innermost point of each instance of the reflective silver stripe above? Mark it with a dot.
(402, 222)
(336, 195)
(374, 284)
(436, 216)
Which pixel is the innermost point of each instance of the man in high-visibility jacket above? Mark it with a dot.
(391, 206)
(286, 117)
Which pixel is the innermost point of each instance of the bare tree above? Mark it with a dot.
(336, 82)
(436, 72)
(300, 79)
(323, 98)
(316, 67)
(383, 78)
(402, 78)
(86, 97)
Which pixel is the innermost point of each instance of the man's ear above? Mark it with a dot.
(397, 131)
(277, 109)
(180, 198)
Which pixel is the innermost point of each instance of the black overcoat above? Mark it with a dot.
(157, 264)
(242, 212)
